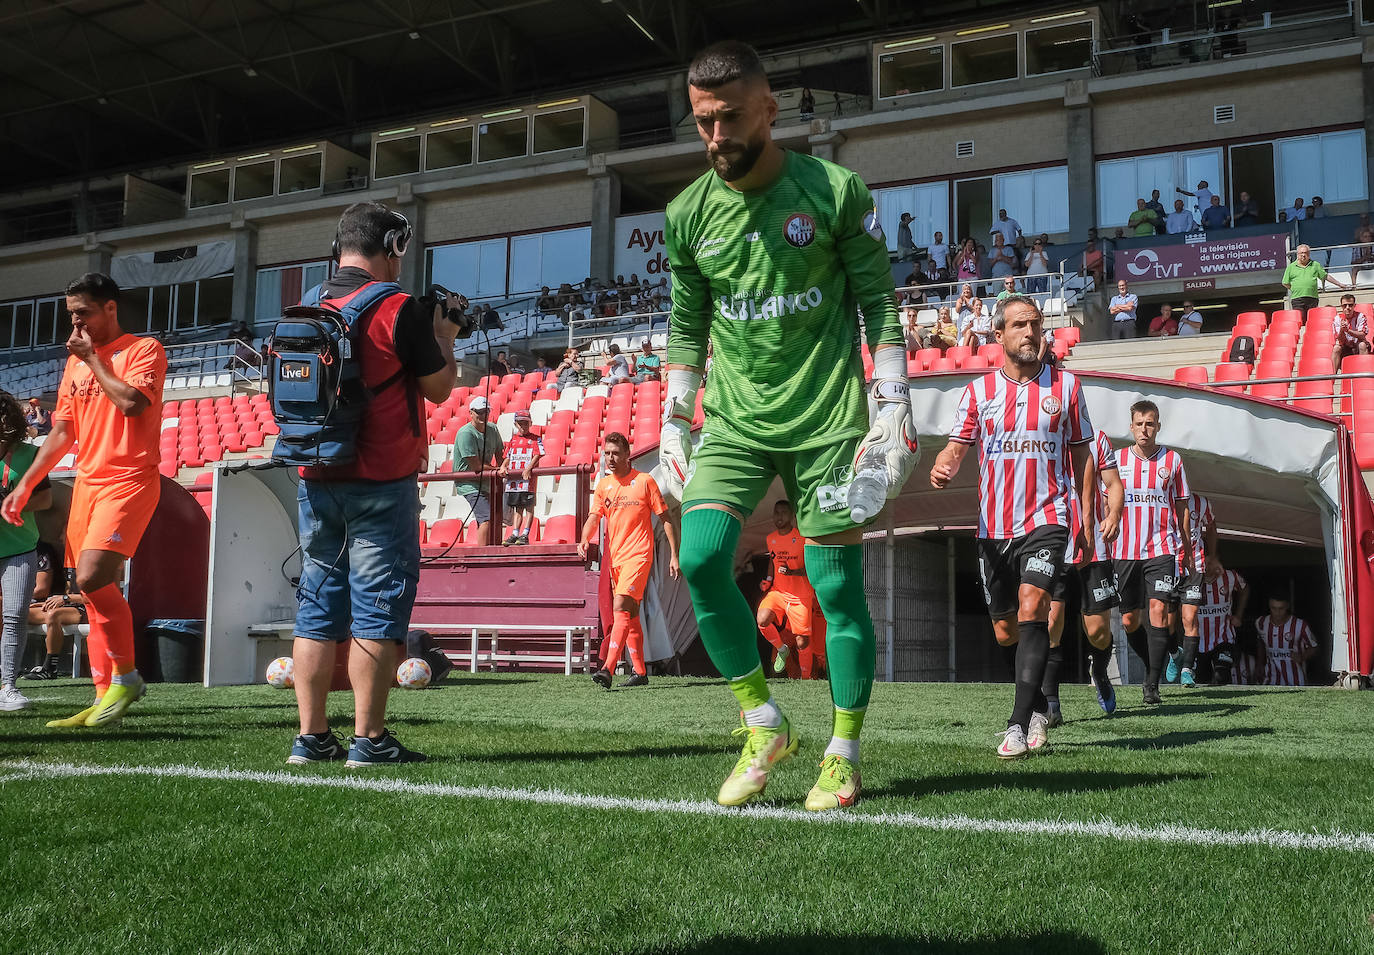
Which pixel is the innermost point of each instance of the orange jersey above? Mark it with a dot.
(111, 446)
(789, 550)
(626, 504)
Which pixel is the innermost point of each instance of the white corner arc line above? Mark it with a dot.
(1357, 842)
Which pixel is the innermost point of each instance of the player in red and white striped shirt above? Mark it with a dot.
(1351, 329)
(1224, 596)
(1188, 590)
(1154, 532)
(1033, 434)
(1286, 644)
(1097, 585)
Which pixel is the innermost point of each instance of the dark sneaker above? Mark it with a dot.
(635, 679)
(1056, 715)
(40, 672)
(513, 538)
(524, 538)
(602, 678)
(382, 751)
(316, 748)
(1151, 693)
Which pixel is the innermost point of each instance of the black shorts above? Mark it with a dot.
(1188, 589)
(1139, 581)
(1304, 303)
(481, 507)
(1005, 565)
(1098, 583)
(520, 500)
(1059, 593)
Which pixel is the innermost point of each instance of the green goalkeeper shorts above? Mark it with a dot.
(816, 481)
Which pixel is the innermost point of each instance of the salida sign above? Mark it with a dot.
(1201, 256)
(639, 247)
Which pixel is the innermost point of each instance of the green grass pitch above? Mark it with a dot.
(237, 859)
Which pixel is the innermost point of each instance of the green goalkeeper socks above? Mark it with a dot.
(837, 574)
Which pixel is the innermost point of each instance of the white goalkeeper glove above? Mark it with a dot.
(675, 438)
(887, 454)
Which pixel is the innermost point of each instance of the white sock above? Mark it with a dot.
(848, 748)
(126, 679)
(766, 715)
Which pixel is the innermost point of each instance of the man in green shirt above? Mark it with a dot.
(478, 447)
(1304, 280)
(1143, 220)
(773, 255)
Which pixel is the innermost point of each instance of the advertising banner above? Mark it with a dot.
(1202, 255)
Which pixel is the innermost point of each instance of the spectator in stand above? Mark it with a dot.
(1304, 280)
(1009, 229)
(1203, 195)
(1247, 211)
(648, 366)
(569, 370)
(1317, 210)
(477, 448)
(968, 262)
(499, 366)
(1297, 213)
(1094, 262)
(1285, 645)
(1190, 322)
(1002, 259)
(1352, 332)
(1362, 254)
(523, 452)
(546, 303)
(1163, 325)
(1180, 220)
(1143, 220)
(37, 420)
(491, 321)
(939, 251)
(1283, 217)
(1216, 216)
(1038, 267)
(1122, 309)
(1158, 208)
(1362, 227)
(617, 368)
(1008, 288)
(933, 275)
(945, 334)
(541, 368)
(806, 106)
(906, 246)
(976, 329)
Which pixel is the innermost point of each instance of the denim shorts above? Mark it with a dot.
(360, 559)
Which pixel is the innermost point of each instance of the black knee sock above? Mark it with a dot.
(1137, 641)
(1189, 652)
(1050, 685)
(1158, 640)
(1100, 659)
(1009, 655)
(1031, 653)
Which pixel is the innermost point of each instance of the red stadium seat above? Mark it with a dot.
(1281, 314)
(1355, 363)
(992, 348)
(997, 359)
(928, 357)
(1276, 392)
(1071, 335)
(445, 533)
(958, 353)
(1260, 317)
(1191, 374)
(975, 361)
(945, 364)
(1232, 371)
(1321, 314)
(168, 466)
(561, 529)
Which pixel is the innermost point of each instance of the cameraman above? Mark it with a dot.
(359, 523)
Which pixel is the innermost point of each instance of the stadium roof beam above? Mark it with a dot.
(458, 59)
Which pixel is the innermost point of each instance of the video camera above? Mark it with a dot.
(436, 295)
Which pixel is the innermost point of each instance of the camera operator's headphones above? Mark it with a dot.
(394, 242)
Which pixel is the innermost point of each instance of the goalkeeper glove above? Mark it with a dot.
(675, 438)
(887, 454)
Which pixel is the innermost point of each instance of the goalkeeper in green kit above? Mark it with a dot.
(773, 255)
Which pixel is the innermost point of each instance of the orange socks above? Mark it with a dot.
(635, 643)
(112, 635)
(617, 641)
(770, 633)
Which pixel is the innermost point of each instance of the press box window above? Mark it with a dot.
(1058, 48)
(984, 60)
(396, 157)
(209, 188)
(299, 173)
(506, 139)
(560, 130)
(255, 180)
(911, 71)
(452, 147)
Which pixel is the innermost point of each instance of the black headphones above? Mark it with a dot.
(394, 242)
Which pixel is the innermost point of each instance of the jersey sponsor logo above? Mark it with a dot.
(1157, 498)
(1019, 444)
(759, 307)
(835, 496)
(873, 227)
(799, 230)
(1051, 405)
(1104, 593)
(1042, 563)
(709, 247)
(751, 237)
(1164, 584)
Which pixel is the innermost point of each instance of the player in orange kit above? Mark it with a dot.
(110, 402)
(789, 599)
(627, 499)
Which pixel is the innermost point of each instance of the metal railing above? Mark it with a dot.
(1336, 394)
(1046, 288)
(595, 333)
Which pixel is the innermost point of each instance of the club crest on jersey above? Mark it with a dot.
(872, 226)
(1051, 405)
(799, 230)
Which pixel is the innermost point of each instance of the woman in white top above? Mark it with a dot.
(976, 326)
(1038, 263)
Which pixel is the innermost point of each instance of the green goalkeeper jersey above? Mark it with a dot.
(775, 279)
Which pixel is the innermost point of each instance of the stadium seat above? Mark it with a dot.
(445, 533)
(945, 364)
(1232, 371)
(561, 529)
(928, 357)
(958, 353)
(1071, 335)
(975, 361)
(1191, 374)
(1259, 317)
(1286, 314)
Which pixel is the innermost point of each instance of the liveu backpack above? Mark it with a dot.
(315, 381)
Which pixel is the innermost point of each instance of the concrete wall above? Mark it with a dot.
(296, 239)
(40, 275)
(505, 208)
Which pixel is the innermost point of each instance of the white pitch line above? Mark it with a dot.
(1358, 842)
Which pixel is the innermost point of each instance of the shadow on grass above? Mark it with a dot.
(1175, 740)
(1230, 693)
(1060, 782)
(468, 680)
(1058, 943)
(1183, 709)
(590, 755)
(106, 737)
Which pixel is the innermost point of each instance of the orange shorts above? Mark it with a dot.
(110, 516)
(794, 609)
(631, 577)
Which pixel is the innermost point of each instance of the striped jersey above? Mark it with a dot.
(1342, 326)
(1245, 669)
(1104, 459)
(1281, 642)
(1214, 616)
(1200, 517)
(1023, 431)
(520, 451)
(1148, 527)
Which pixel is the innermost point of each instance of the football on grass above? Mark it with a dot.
(281, 673)
(414, 674)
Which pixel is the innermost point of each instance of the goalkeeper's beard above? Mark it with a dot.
(731, 169)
